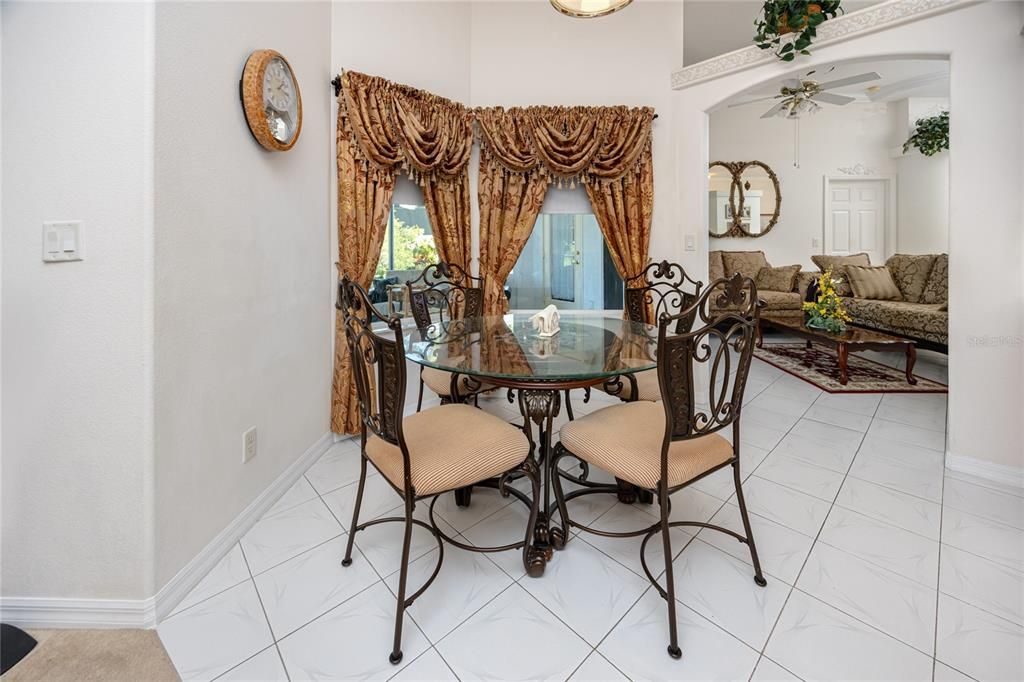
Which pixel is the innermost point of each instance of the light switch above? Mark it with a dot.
(62, 241)
(815, 243)
(691, 242)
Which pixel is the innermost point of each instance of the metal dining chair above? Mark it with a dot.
(435, 451)
(664, 447)
(659, 290)
(444, 292)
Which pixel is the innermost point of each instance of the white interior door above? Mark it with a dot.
(856, 218)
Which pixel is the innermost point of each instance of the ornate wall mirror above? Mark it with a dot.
(744, 199)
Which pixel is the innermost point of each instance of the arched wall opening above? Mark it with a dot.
(986, 369)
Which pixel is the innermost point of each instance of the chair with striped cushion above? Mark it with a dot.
(438, 450)
(660, 290)
(445, 292)
(663, 447)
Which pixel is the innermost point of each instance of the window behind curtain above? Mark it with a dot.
(565, 262)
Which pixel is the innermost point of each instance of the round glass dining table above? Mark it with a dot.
(506, 351)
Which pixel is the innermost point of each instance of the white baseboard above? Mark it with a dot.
(44, 612)
(998, 473)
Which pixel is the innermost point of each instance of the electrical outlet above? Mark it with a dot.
(248, 445)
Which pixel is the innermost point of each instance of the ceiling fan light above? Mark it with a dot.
(588, 9)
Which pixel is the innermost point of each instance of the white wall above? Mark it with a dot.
(243, 297)
(836, 137)
(76, 339)
(986, 360)
(923, 181)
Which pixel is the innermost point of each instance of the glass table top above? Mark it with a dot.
(588, 346)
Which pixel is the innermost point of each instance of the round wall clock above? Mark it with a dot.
(271, 99)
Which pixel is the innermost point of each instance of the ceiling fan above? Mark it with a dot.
(800, 96)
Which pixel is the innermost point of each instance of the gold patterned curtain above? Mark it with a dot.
(385, 128)
(607, 149)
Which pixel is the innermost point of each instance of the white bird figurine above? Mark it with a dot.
(545, 323)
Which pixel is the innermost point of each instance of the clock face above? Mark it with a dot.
(279, 100)
(271, 100)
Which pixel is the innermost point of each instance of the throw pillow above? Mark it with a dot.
(936, 289)
(747, 263)
(838, 265)
(873, 283)
(777, 279)
(716, 270)
(944, 307)
(910, 274)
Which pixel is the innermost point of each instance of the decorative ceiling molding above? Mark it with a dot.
(846, 27)
(859, 169)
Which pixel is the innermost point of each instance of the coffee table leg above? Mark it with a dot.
(911, 359)
(843, 352)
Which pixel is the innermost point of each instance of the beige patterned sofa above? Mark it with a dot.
(778, 301)
(922, 315)
(923, 281)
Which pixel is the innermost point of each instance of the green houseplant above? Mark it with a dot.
(931, 135)
(789, 26)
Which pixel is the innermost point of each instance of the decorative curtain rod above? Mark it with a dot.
(336, 82)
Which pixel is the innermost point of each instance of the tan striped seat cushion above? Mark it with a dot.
(874, 283)
(440, 382)
(647, 387)
(625, 440)
(450, 446)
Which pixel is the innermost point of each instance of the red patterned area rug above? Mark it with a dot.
(819, 366)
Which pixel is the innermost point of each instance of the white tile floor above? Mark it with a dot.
(880, 565)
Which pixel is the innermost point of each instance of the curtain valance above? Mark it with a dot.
(399, 128)
(566, 144)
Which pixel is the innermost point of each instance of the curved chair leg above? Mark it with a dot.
(396, 652)
(673, 646)
(568, 406)
(419, 400)
(758, 576)
(347, 561)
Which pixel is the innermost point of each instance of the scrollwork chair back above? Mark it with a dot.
(445, 292)
(720, 340)
(661, 288)
(378, 365)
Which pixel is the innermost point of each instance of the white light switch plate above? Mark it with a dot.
(690, 242)
(248, 445)
(62, 241)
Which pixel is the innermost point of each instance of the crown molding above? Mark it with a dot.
(846, 27)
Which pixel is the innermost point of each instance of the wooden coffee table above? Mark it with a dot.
(851, 340)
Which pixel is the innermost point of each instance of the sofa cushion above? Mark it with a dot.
(936, 289)
(803, 280)
(780, 300)
(777, 279)
(874, 283)
(910, 273)
(716, 270)
(838, 264)
(747, 263)
(916, 320)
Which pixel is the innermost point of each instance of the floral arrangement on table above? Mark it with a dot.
(827, 311)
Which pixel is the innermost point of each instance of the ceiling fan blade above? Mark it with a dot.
(852, 80)
(830, 98)
(751, 101)
(793, 84)
(774, 110)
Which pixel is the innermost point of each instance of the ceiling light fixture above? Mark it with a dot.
(588, 9)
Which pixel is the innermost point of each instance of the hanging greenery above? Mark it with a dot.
(931, 135)
(789, 26)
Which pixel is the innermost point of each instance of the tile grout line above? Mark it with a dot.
(265, 616)
(938, 572)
